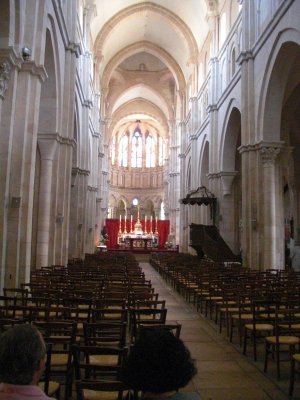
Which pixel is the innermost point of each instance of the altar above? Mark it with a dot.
(139, 242)
(116, 239)
(138, 238)
(129, 234)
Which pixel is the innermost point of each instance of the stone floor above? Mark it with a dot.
(223, 372)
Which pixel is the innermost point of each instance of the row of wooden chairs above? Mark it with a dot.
(261, 306)
(81, 330)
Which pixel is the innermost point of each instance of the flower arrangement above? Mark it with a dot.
(103, 239)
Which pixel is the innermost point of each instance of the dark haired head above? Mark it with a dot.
(158, 362)
(21, 350)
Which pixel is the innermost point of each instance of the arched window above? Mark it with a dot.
(161, 151)
(150, 152)
(136, 148)
(233, 62)
(123, 151)
(223, 29)
(113, 151)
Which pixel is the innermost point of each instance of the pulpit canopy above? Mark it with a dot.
(201, 196)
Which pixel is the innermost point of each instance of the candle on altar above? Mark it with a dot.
(120, 218)
(146, 223)
(131, 218)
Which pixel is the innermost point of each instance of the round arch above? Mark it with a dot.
(230, 133)
(152, 49)
(286, 47)
(177, 23)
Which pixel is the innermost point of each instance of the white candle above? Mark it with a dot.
(120, 218)
(131, 218)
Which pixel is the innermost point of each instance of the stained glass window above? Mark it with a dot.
(136, 149)
(113, 151)
(123, 151)
(161, 151)
(150, 152)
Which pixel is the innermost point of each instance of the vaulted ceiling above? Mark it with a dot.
(144, 53)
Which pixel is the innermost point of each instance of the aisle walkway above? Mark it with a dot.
(223, 372)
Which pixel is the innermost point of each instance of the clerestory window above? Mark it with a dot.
(136, 149)
(123, 151)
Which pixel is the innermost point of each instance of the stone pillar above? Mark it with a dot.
(7, 73)
(272, 224)
(183, 223)
(77, 214)
(47, 150)
(5, 70)
(91, 243)
(17, 161)
(227, 213)
(63, 173)
(99, 222)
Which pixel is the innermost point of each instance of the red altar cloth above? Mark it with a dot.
(113, 225)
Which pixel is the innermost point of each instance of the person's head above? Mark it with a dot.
(22, 355)
(158, 363)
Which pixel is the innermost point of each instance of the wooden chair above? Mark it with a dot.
(174, 328)
(226, 308)
(50, 387)
(23, 312)
(146, 316)
(262, 324)
(105, 333)
(19, 293)
(154, 304)
(285, 339)
(8, 301)
(295, 364)
(109, 314)
(62, 335)
(96, 362)
(101, 390)
(6, 323)
(242, 317)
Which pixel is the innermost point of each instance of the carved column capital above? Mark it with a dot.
(269, 154)
(5, 69)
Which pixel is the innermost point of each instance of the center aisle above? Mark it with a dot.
(223, 372)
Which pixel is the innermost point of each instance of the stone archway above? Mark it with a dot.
(279, 146)
(230, 174)
(44, 215)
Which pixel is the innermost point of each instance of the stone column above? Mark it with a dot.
(227, 214)
(62, 174)
(18, 157)
(90, 245)
(271, 220)
(99, 220)
(47, 150)
(5, 70)
(6, 73)
(183, 223)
